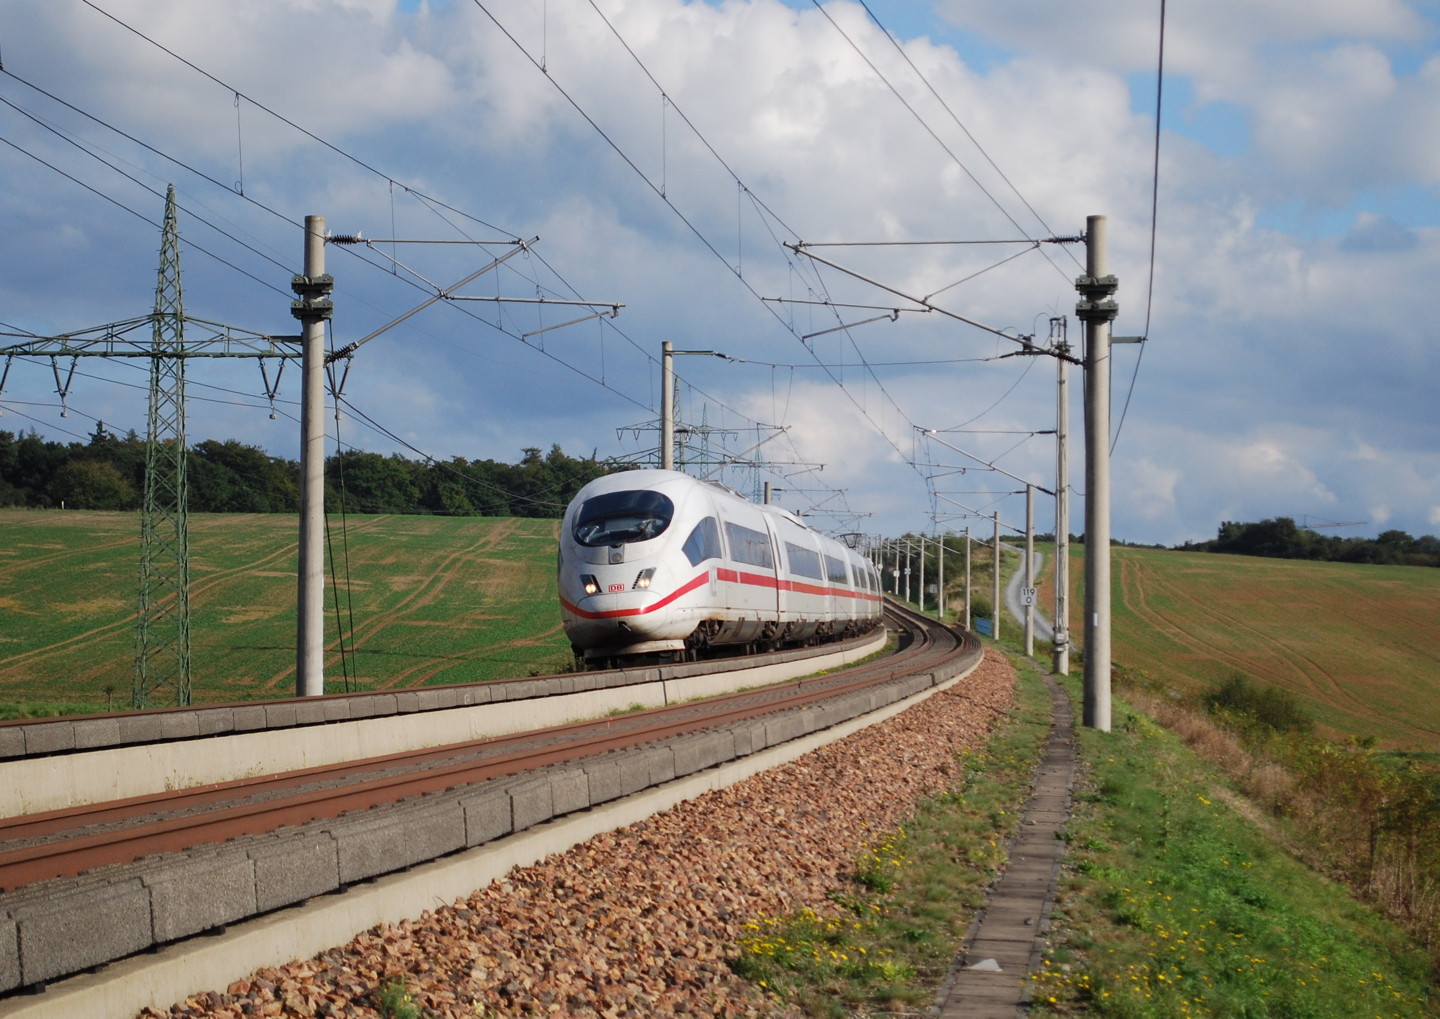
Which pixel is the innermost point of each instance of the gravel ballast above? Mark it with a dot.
(638, 922)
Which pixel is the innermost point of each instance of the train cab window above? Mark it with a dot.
(835, 570)
(617, 518)
(750, 546)
(704, 542)
(804, 562)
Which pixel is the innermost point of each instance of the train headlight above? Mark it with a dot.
(589, 583)
(642, 579)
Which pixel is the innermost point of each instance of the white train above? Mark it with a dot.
(656, 562)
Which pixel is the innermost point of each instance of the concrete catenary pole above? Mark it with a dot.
(1062, 515)
(940, 582)
(667, 406)
(1029, 571)
(920, 588)
(968, 619)
(312, 308)
(1096, 309)
(995, 586)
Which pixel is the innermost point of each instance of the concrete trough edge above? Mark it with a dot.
(664, 773)
(31, 784)
(29, 738)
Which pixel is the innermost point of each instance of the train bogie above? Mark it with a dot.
(657, 562)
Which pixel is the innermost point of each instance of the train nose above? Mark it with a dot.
(591, 585)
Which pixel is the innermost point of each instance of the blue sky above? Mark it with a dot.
(665, 155)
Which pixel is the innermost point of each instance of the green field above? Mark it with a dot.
(432, 599)
(1358, 644)
(464, 599)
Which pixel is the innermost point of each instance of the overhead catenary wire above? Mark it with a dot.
(138, 215)
(926, 127)
(607, 327)
(688, 223)
(426, 200)
(661, 192)
(1154, 220)
(191, 244)
(747, 191)
(958, 123)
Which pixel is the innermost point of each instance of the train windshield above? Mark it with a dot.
(620, 517)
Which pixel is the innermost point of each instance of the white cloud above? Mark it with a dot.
(1290, 366)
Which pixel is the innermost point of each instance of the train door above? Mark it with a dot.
(753, 581)
(781, 615)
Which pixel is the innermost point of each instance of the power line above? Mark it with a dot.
(426, 200)
(138, 215)
(278, 116)
(947, 108)
(139, 183)
(927, 128)
(1154, 219)
(766, 216)
(660, 193)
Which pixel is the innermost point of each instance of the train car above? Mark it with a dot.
(657, 563)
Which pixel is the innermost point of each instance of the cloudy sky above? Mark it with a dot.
(668, 155)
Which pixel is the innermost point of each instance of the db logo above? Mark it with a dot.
(616, 588)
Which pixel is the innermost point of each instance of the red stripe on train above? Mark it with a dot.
(698, 581)
(725, 576)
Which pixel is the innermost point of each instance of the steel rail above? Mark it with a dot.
(65, 843)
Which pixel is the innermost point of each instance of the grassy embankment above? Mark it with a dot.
(1181, 894)
(433, 600)
(1172, 901)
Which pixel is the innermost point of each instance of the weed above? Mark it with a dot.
(396, 1001)
(1211, 919)
(632, 709)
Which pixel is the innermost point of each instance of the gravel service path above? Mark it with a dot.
(638, 922)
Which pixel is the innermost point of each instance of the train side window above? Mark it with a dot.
(835, 571)
(749, 546)
(704, 542)
(804, 562)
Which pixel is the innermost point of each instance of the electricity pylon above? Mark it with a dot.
(162, 631)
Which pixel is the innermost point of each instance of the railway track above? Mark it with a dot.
(67, 875)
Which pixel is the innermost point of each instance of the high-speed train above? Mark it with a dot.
(657, 562)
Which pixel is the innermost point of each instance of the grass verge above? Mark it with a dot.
(1175, 904)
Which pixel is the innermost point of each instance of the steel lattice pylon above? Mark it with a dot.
(162, 639)
(162, 634)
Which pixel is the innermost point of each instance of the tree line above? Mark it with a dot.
(108, 473)
(1281, 538)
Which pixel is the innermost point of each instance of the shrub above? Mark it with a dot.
(1271, 707)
